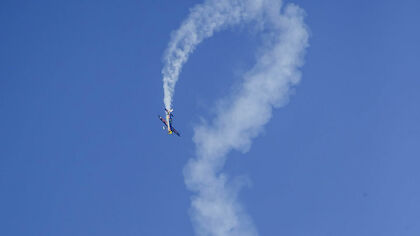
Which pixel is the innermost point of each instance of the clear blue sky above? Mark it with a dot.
(83, 153)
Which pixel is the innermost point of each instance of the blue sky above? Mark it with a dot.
(83, 153)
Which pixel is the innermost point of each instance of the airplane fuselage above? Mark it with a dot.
(168, 122)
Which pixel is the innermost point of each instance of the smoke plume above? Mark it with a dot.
(215, 209)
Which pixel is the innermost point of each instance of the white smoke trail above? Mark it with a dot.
(202, 22)
(215, 209)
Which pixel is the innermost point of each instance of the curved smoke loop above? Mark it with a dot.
(215, 209)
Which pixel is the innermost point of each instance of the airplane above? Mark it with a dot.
(168, 122)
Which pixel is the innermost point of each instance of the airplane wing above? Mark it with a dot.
(163, 120)
(175, 132)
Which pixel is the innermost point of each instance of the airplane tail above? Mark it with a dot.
(169, 111)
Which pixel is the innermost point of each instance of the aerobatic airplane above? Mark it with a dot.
(168, 122)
